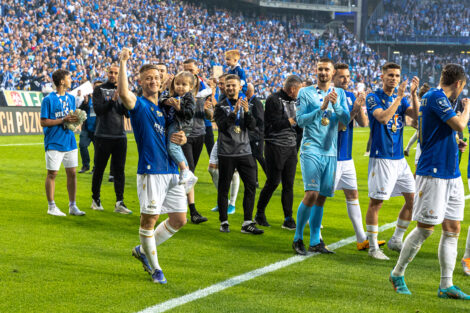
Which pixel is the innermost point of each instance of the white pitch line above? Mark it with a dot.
(202, 293)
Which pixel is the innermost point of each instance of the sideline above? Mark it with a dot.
(202, 293)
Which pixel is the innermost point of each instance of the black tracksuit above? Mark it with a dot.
(110, 139)
(234, 152)
(280, 151)
(257, 135)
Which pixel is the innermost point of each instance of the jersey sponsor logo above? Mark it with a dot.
(443, 104)
(396, 120)
(159, 128)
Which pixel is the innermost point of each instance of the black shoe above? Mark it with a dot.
(198, 218)
(299, 247)
(111, 179)
(289, 224)
(84, 169)
(251, 229)
(320, 248)
(261, 221)
(224, 228)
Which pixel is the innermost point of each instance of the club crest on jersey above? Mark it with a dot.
(395, 123)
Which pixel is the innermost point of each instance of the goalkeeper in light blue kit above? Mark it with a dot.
(319, 111)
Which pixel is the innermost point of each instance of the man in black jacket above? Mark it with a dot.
(257, 135)
(280, 150)
(110, 139)
(233, 120)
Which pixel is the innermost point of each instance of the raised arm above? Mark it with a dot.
(459, 122)
(128, 98)
(413, 110)
(357, 112)
(383, 116)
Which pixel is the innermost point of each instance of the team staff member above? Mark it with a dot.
(280, 150)
(233, 120)
(59, 142)
(110, 140)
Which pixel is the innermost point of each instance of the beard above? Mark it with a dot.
(323, 78)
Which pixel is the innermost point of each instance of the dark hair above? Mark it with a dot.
(326, 60)
(58, 76)
(188, 61)
(425, 88)
(161, 63)
(452, 73)
(194, 80)
(292, 81)
(147, 67)
(341, 66)
(223, 75)
(390, 65)
(232, 76)
(308, 82)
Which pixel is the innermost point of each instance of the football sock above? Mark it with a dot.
(316, 215)
(372, 232)
(412, 141)
(147, 241)
(234, 186)
(303, 213)
(163, 232)
(410, 248)
(51, 203)
(72, 204)
(467, 247)
(192, 209)
(215, 176)
(354, 213)
(447, 253)
(401, 228)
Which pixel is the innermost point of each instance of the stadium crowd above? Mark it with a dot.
(86, 36)
(422, 18)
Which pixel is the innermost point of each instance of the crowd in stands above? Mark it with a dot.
(417, 18)
(84, 36)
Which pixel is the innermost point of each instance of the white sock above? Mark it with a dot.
(467, 246)
(215, 176)
(163, 232)
(372, 232)
(410, 248)
(51, 204)
(354, 213)
(447, 255)
(246, 223)
(72, 204)
(412, 141)
(147, 241)
(401, 228)
(234, 186)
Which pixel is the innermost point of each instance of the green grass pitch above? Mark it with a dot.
(84, 264)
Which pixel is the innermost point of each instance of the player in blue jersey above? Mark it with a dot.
(319, 111)
(440, 192)
(346, 179)
(59, 142)
(157, 174)
(389, 173)
(232, 58)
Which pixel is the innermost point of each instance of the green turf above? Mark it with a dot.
(84, 264)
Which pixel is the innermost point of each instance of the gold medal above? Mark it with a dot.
(237, 129)
(394, 128)
(325, 121)
(343, 129)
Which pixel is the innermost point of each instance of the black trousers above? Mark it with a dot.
(104, 148)
(209, 139)
(246, 167)
(192, 150)
(257, 152)
(281, 164)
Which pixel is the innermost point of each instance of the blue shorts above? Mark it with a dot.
(318, 173)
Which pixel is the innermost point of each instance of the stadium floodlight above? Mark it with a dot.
(430, 51)
(396, 52)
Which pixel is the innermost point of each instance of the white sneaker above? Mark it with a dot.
(121, 208)
(74, 210)
(191, 182)
(395, 244)
(378, 254)
(96, 205)
(55, 211)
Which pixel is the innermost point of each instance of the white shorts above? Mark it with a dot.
(389, 178)
(345, 175)
(54, 158)
(160, 194)
(418, 153)
(438, 199)
(214, 159)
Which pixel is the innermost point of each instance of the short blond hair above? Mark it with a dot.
(232, 53)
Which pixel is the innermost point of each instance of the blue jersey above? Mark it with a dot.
(237, 70)
(148, 122)
(56, 107)
(319, 139)
(439, 149)
(468, 166)
(387, 140)
(345, 137)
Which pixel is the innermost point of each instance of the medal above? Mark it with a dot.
(343, 129)
(457, 138)
(237, 129)
(325, 121)
(394, 128)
